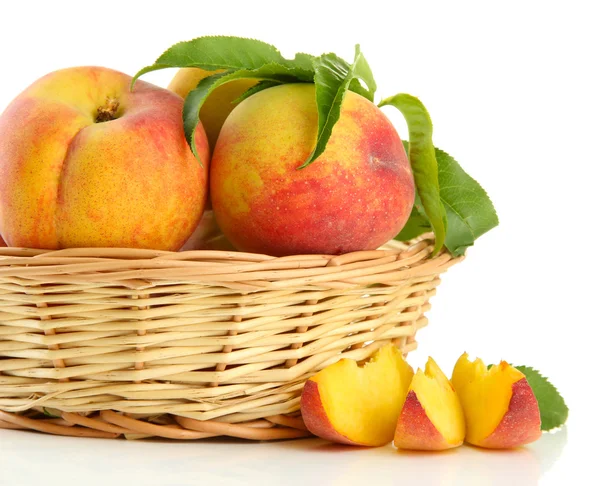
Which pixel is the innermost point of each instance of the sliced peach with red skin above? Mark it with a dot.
(2, 242)
(501, 410)
(357, 405)
(432, 417)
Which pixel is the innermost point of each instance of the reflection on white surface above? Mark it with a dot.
(30, 458)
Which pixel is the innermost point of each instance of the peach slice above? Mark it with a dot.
(501, 410)
(356, 405)
(432, 418)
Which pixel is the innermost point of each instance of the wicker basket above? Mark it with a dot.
(138, 343)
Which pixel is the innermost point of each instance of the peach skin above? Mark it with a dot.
(501, 410)
(355, 405)
(85, 162)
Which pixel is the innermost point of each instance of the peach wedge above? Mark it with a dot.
(356, 405)
(432, 417)
(500, 408)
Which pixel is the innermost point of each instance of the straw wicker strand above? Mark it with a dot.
(140, 343)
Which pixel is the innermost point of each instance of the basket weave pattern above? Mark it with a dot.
(140, 343)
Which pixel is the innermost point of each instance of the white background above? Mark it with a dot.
(512, 88)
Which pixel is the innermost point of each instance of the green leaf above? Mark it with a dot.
(304, 64)
(255, 89)
(469, 210)
(240, 58)
(249, 58)
(217, 52)
(417, 223)
(553, 409)
(421, 154)
(358, 88)
(331, 83)
(333, 77)
(362, 71)
(275, 73)
(191, 108)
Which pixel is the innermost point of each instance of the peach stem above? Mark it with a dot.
(107, 112)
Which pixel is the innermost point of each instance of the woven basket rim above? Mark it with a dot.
(147, 253)
(246, 272)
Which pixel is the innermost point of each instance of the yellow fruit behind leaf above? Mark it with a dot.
(219, 104)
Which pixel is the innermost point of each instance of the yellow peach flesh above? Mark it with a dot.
(440, 401)
(487, 396)
(431, 418)
(360, 405)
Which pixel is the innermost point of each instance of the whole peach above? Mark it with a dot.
(85, 162)
(356, 196)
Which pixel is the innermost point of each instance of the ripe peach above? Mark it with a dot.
(84, 161)
(357, 195)
(432, 417)
(356, 405)
(218, 105)
(501, 410)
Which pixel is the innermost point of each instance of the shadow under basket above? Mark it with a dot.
(140, 343)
